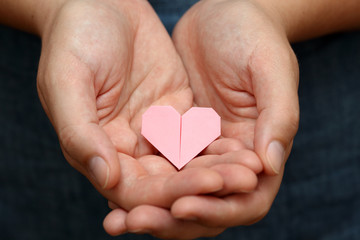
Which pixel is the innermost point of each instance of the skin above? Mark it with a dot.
(112, 62)
(234, 69)
(239, 61)
(104, 63)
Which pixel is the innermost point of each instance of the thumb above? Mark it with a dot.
(67, 94)
(275, 79)
(89, 150)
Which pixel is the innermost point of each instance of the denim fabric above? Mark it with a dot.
(170, 11)
(42, 197)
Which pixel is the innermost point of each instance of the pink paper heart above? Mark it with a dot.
(180, 138)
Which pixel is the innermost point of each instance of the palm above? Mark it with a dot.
(219, 48)
(149, 73)
(154, 76)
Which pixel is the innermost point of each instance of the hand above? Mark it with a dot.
(240, 62)
(103, 64)
(237, 172)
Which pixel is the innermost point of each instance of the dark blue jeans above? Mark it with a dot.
(42, 197)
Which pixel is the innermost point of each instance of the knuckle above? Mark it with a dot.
(69, 138)
(294, 118)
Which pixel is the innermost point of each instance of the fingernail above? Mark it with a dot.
(100, 170)
(275, 156)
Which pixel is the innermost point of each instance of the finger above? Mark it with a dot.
(69, 98)
(275, 83)
(88, 149)
(224, 145)
(234, 210)
(163, 189)
(159, 222)
(237, 179)
(193, 182)
(243, 157)
(114, 222)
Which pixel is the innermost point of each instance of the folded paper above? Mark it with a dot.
(180, 138)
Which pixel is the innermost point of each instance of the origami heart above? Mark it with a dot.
(180, 138)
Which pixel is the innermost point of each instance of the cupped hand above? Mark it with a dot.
(103, 63)
(240, 62)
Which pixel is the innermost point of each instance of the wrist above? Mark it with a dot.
(28, 15)
(45, 16)
(278, 13)
(306, 19)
